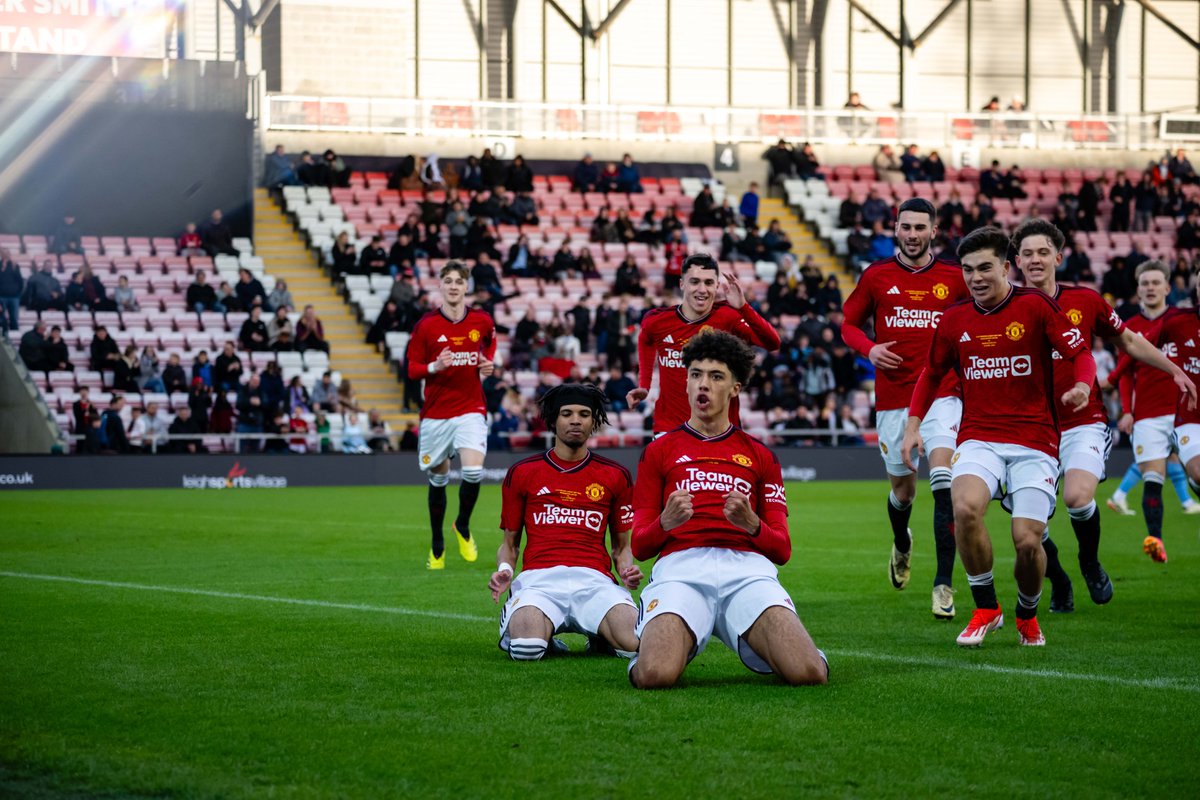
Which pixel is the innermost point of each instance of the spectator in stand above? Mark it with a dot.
(1145, 197)
(150, 371)
(493, 171)
(1075, 263)
(310, 333)
(66, 238)
(310, 171)
(403, 254)
(374, 258)
(933, 167)
(629, 179)
(458, 223)
(280, 296)
(201, 296)
(580, 318)
(483, 274)
(124, 296)
(1089, 206)
(1118, 281)
(858, 245)
(202, 370)
(12, 286)
(1187, 237)
(1062, 220)
(519, 177)
(227, 298)
(776, 242)
(610, 178)
(752, 246)
(887, 166)
(325, 394)
(471, 178)
(280, 323)
(153, 430)
(882, 244)
(43, 291)
(781, 161)
(183, 426)
(347, 400)
(829, 298)
(33, 348)
(910, 165)
(95, 296)
(221, 419)
(617, 387)
(174, 377)
(703, 207)
(1135, 258)
(343, 255)
(253, 336)
(564, 262)
(272, 389)
(1160, 173)
(1181, 168)
(875, 209)
(380, 432)
(993, 106)
(336, 170)
(991, 181)
(55, 352)
(807, 166)
(850, 211)
(278, 170)
(1012, 185)
(1179, 295)
(674, 252)
(284, 343)
(748, 207)
(83, 411)
(250, 414)
(216, 235)
(227, 372)
(626, 230)
(296, 400)
(622, 326)
(136, 429)
(250, 291)
(952, 206)
(125, 371)
(603, 229)
(389, 320)
(1121, 195)
(104, 352)
(976, 218)
(1167, 203)
(587, 265)
(189, 242)
(586, 177)
(523, 209)
(114, 437)
(481, 240)
(628, 279)
(731, 245)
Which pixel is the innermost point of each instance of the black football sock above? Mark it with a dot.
(437, 518)
(943, 536)
(1152, 507)
(1027, 606)
(468, 493)
(983, 590)
(1086, 522)
(1054, 570)
(899, 515)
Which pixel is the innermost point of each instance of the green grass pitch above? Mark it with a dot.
(169, 667)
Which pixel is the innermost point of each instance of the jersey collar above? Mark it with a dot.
(1012, 290)
(915, 270)
(561, 467)
(679, 313)
(442, 311)
(723, 435)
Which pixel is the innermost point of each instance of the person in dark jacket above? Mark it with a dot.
(12, 284)
(587, 175)
(253, 335)
(519, 177)
(201, 296)
(115, 438)
(216, 235)
(55, 352)
(184, 424)
(251, 413)
(104, 351)
(249, 291)
(43, 290)
(33, 348)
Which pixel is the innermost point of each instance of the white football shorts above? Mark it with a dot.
(1086, 448)
(715, 590)
(939, 428)
(574, 599)
(1187, 437)
(441, 439)
(1029, 477)
(1152, 438)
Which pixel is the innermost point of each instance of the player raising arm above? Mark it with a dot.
(665, 331)
(709, 502)
(450, 349)
(1180, 336)
(565, 500)
(1000, 343)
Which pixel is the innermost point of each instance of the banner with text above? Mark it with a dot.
(135, 28)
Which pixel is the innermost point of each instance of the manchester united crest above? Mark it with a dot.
(594, 491)
(954, 458)
(743, 460)
(1014, 331)
(473, 335)
(425, 459)
(941, 291)
(1075, 315)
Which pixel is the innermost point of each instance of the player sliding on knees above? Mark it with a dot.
(666, 330)
(1085, 436)
(903, 297)
(709, 502)
(565, 500)
(452, 349)
(1000, 343)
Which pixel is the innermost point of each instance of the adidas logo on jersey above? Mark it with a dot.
(893, 290)
(1190, 343)
(683, 459)
(966, 337)
(441, 338)
(543, 491)
(669, 339)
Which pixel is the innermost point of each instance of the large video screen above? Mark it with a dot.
(135, 28)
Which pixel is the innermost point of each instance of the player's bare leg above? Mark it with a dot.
(529, 634)
(1079, 496)
(468, 494)
(617, 628)
(1153, 474)
(943, 531)
(781, 640)
(900, 500)
(666, 643)
(1030, 571)
(971, 496)
(439, 477)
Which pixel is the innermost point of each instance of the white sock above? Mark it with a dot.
(527, 649)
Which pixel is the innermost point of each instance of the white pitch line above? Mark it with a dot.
(942, 663)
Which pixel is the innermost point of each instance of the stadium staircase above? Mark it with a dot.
(288, 257)
(804, 241)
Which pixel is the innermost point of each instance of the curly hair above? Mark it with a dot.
(723, 347)
(572, 394)
(988, 238)
(1038, 227)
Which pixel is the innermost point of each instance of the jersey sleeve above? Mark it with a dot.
(760, 332)
(1069, 342)
(858, 308)
(942, 358)
(620, 515)
(488, 344)
(645, 348)
(773, 539)
(648, 534)
(512, 504)
(415, 356)
(1109, 324)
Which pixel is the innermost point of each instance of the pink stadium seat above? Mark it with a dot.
(163, 246)
(212, 321)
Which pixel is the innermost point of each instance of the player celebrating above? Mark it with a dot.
(565, 499)
(1180, 336)
(1085, 435)
(1000, 344)
(665, 331)
(451, 348)
(709, 502)
(903, 297)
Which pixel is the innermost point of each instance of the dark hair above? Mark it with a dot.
(988, 238)
(919, 205)
(724, 347)
(703, 261)
(1038, 227)
(571, 394)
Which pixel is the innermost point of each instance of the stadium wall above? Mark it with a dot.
(214, 472)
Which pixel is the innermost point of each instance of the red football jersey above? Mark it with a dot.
(709, 468)
(1002, 356)
(1088, 312)
(905, 306)
(458, 389)
(566, 509)
(1179, 339)
(664, 333)
(1148, 391)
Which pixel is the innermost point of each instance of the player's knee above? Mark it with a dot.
(966, 513)
(654, 675)
(905, 493)
(807, 672)
(439, 478)
(472, 474)
(527, 649)
(1027, 545)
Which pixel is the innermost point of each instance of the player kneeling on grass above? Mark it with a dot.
(1001, 343)
(565, 500)
(709, 502)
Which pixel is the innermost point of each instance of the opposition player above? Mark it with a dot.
(1000, 343)
(451, 349)
(1133, 476)
(903, 298)
(666, 330)
(709, 502)
(1085, 441)
(1149, 400)
(565, 500)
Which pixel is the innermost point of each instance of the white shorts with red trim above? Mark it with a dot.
(1086, 448)
(939, 429)
(441, 439)
(1029, 477)
(574, 599)
(1187, 437)
(1153, 438)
